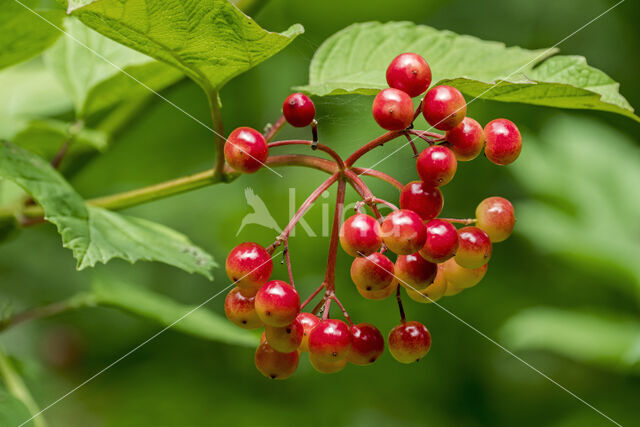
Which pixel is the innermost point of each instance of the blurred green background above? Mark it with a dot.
(562, 293)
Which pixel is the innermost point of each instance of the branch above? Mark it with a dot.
(218, 135)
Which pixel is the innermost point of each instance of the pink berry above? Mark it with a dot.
(441, 243)
(277, 303)
(496, 217)
(444, 107)
(424, 200)
(299, 110)
(459, 278)
(410, 73)
(246, 150)
(240, 310)
(373, 272)
(275, 365)
(415, 272)
(360, 235)
(474, 247)
(308, 321)
(330, 340)
(436, 165)
(285, 339)
(367, 344)
(403, 232)
(249, 266)
(503, 141)
(466, 139)
(393, 109)
(379, 294)
(409, 342)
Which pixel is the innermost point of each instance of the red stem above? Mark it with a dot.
(344, 311)
(364, 191)
(466, 221)
(271, 132)
(327, 308)
(413, 146)
(288, 261)
(320, 147)
(380, 175)
(312, 296)
(333, 244)
(430, 137)
(371, 145)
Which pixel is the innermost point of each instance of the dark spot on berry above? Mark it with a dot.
(268, 313)
(288, 330)
(368, 288)
(414, 72)
(244, 322)
(373, 359)
(272, 376)
(335, 354)
(234, 279)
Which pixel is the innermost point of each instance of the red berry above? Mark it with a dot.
(466, 139)
(415, 272)
(436, 165)
(277, 303)
(330, 340)
(444, 107)
(441, 243)
(326, 366)
(285, 339)
(299, 110)
(474, 247)
(496, 217)
(403, 232)
(380, 294)
(424, 200)
(503, 141)
(393, 109)
(249, 266)
(360, 235)
(459, 278)
(275, 365)
(410, 73)
(308, 321)
(373, 272)
(240, 310)
(246, 150)
(409, 342)
(431, 293)
(367, 344)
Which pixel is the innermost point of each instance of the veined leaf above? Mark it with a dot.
(45, 136)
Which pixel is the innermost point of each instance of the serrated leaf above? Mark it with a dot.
(92, 233)
(211, 41)
(355, 59)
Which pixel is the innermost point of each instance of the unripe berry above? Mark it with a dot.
(424, 200)
(410, 73)
(277, 303)
(409, 342)
(431, 293)
(403, 232)
(503, 141)
(240, 310)
(461, 278)
(466, 139)
(441, 243)
(330, 340)
(249, 266)
(299, 110)
(373, 272)
(452, 290)
(308, 321)
(436, 165)
(381, 293)
(414, 272)
(444, 107)
(285, 339)
(496, 217)
(367, 344)
(360, 235)
(246, 150)
(393, 109)
(275, 365)
(326, 366)
(474, 247)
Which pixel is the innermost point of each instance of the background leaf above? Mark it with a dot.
(12, 411)
(45, 136)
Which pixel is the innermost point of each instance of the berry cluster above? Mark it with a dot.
(433, 257)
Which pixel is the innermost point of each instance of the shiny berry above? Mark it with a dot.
(249, 266)
(503, 141)
(330, 340)
(308, 321)
(444, 107)
(452, 290)
(373, 272)
(367, 344)
(466, 139)
(393, 109)
(246, 150)
(360, 235)
(441, 243)
(424, 200)
(240, 310)
(403, 232)
(496, 217)
(409, 342)
(410, 73)
(414, 272)
(474, 247)
(436, 165)
(285, 339)
(326, 366)
(380, 294)
(299, 110)
(277, 303)
(431, 293)
(461, 278)
(275, 365)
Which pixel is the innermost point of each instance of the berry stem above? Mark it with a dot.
(314, 134)
(320, 303)
(274, 128)
(364, 191)
(403, 318)
(430, 137)
(335, 231)
(466, 221)
(312, 296)
(287, 259)
(380, 175)
(320, 147)
(326, 309)
(344, 311)
(386, 137)
(413, 146)
(418, 110)
(218, 135)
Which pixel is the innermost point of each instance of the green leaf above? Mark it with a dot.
(12, 411)
(45, 136)
(92, 233)
(211, 41)
(355, 59)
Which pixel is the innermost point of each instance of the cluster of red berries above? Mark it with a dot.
(434, 258)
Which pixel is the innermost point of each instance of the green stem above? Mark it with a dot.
(218, 136)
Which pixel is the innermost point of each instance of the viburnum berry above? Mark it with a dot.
(299, 110)
(379, 294)
(474, 247)
(403, 232)
(367, 344)
(285, 339)
(444, 107)
(496, 217)
(452, 290)
(249, 266)
(409, 342)
(275, 365)
(246, 150)
(330, 340)
(277, 303)
(424, 200)
(410, 73)
(431, 293)
(504, 141)
(436, 165)
(414, 272)
(466, 139)
(360, 235)
(327, 366)
(393, 109)
(459, 277)
(441, 242)
(240, 310)
(373, 272)
(308, 321)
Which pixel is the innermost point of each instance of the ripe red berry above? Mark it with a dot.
(360, 235)
(403, 232)
(380, 294)
(442, 241)
(459, 278)
(431, 293)
(367, 344)
(246, 150)
(393, 109)
(277, 303)
(410, 73)
(496, 217)
(299, 110)
(436, 165)
(503, 141)
(285, 339)
(409, 342)
(444, 107)
(415, 272)
(474, 247)
(240, 310)
(249, 266)
(373, 272)
(424, 200)
(330, 340)
(275, 365)
(466, 139)
(308, 321)
(327, 366)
